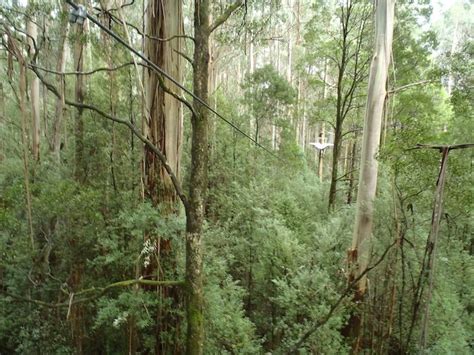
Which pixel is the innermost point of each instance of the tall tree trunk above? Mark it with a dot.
(351, 170)
(77, 316)
(199, 168)
(24, 141)
(322, 134)
(351, 68)
(79, 91)
(198, 183)
(2, 120)
(322, 138)
(336, 153)
(32, 32)
(164, 20)
(359, 253)
(60, 67)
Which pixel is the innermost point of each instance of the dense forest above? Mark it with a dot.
(236, 177)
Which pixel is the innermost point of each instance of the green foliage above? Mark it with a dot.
(274, 258)
(268, 94)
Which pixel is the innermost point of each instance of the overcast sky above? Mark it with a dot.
(439, 7)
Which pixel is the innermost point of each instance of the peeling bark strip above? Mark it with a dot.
(384, 22)
(163, 126)
(164, 129)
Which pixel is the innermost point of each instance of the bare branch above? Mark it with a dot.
(107, 69)
(348, 291)
(225, 15)
(404, 87)
(441, 147)
(132, 128)
(137, 30)
(101, 291)
(190, 61)
(162, 85)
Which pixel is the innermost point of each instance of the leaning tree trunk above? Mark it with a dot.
(359, 253)
(163, 20)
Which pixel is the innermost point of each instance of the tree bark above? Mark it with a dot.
(2, 120)
(322, 138)
(351, 170)
(24, 141)
(79, 92)
(77, 317)
(359, 253)
(432, 244)
(163, 127)
(32, 32)
(199, 168)
(198, 184)
(60, 67)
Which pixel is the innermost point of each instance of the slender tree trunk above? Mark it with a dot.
(60, 67)
(24, 141)
(32, 32)
(359, 253)
(322, 134)
(77, 316)
(198, 183)
(336, 153)
(351, 68)
(2, 120)
(432, 244)
(351, 171)
(79, 91)
(322, 138)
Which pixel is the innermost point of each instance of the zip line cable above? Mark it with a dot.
(165, 74)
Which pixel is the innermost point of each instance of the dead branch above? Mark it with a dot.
(107, 69)
(404, 87)
(100, 291)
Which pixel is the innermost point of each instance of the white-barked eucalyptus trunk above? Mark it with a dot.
(32, 32)
(359, 255)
